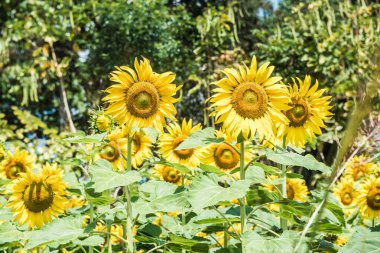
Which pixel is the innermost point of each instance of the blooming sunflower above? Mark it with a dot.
(141, 148)
(101, 122)
(35, 198)
(308, 110)
(222, 155)
(168, 174)
(358, 167)
(141, 97)
(346, 194)
(250, 101)
(168, 142)
(16, 163)
(369, 198)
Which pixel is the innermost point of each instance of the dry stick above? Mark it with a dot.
(62, 89)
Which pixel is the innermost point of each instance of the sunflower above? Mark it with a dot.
(308, 110)
(168, 174)
(346, 194)
(16, 163)
(250, 101)
(141, 97)
(369, 198)
(224, 156)
(168, 142)
(117, 229)
(35, 198)
(76, 201)
(341, 240)
(141, 148)
(358, 167)
(114, 150)
(101, 122)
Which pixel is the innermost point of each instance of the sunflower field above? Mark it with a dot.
(233, 126)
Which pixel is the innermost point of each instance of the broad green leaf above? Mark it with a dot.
(216, 220)
(189, 244)
(86, 139)
(94, 240)
(60, 231)
(105, 178)
(212, 169)
(9, 233)
(336, 211)
(199, 138)
(362, 240)
(99, 198)
(170, 203)
(330, 228)
(293, 159)
(255, 174)
(205, 191)
(267, 168)
(182, 168)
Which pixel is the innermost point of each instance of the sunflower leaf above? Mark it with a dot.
(199, 138)
(86, 139)
(105, 178)
(9, 233)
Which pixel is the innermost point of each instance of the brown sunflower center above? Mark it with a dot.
(171, 175)
(182, 153)
(299, 112)
(142, 99)
(136, 144)
(373, 198)
(346, 198)
(289, 191)
(226, 157)
(103, 123)
(249, 100)
(38, 197)
(13, 171)
(109, 152)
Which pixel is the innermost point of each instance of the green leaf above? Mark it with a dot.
(336, 211)
(216, 220)
(62, 231)
(94, 240)
(9, 233)
(105, 178)
(255, 174)
(199, 138)
(205, 191)
(99, 198)
(268, 169)
(212, 169)
(362, 240)
(307, 161)
(189, 244)
(330, 228)
(152, 134)
(176, 166)
(86, 139)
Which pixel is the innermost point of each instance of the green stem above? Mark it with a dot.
(127, 194)
(109, 239)
(242, 200)
(283, 221)
(225, 236)
(91, 249)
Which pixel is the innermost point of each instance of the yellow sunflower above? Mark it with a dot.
(341, 240)
(76, 201)
(101, 122)
(141, 97)
(117, 229)
(250, 101)
(168, 174)
(222, 155)
(369, 198)
(309, 109)
(346, 194)
(141, 148)
(114, 150)
(35, 198)
(358, 167)
(16, 163)
(168, 142)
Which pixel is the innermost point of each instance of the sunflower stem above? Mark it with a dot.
(283, 221)
(91, 249)
(109, 238)
(127, 194)
(242, 200)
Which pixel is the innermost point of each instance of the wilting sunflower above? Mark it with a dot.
(369, 198)
(224, 156)
(358, 167)
(141, 97)
(249, 100)
(141, 148)
(168, 174)
(16, 163)
(101, 122)
(37, 197)
(168, 142)
(114, 149)
(309, 109)
(346, 194)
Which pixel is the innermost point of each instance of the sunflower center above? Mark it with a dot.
(142, 99)
(136, 144)
(109, 152)
(171, 175)
(289, 191)
(346, 198)
(373, 199)
(249, 100)
(226, 157)
(38, 197)
(103, 123)
(13, 172)
(182, 153)
(299, 113)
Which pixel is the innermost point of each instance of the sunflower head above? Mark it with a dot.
(14, 164)
(250, 101)
(369, 198)
(346, 194)
(168, 174)
(358, 167)
(141, 148)
(307, 113)
(296, 188)
(141, 97)
(101, 122)
(37, 197)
